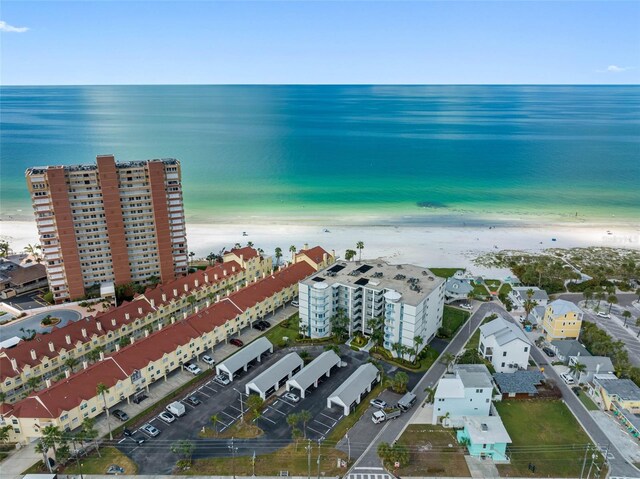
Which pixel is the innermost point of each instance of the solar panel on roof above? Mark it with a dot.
(319, 279)
(364, 268)
(362, 281)
(336, 268)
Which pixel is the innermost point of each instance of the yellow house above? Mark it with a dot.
(562, 320)
(618, 393)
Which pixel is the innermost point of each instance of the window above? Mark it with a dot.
(526, 348)
(502, 365)
(83, 406)
(504, 353)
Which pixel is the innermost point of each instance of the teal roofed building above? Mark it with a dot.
(485, 437)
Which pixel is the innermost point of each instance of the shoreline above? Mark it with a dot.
(426, 245)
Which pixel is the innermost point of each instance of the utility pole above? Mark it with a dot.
(584, 461)
(319, 456)
(308, 459)
(253, 463)
(233, 458)
(349, 449)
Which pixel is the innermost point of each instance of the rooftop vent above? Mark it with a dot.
(399, 276)
(484, 427)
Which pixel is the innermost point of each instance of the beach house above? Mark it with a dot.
(457, 288)
(520, 294)
(504, 345)
(485, 437)
(562, 320)
(592, 365)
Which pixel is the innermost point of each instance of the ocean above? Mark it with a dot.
(346, 154)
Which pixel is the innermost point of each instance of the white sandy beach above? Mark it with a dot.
(435, 246)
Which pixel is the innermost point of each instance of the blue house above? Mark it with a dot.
(485, 436)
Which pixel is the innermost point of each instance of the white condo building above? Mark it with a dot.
(410, 298)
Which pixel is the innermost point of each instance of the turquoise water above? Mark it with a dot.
(386, 154)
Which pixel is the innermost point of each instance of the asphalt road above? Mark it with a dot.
(390, 430)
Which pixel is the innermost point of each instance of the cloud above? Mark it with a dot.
(5, 27)
(615, 69)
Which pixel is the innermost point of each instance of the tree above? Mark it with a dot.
(392, 454)
(191, 301)
(40, 448)
(304, 355)
(431, 392)
(447, 359)
(102, 390)
(529, 303)
(418, 341)
(34, 382)
(255, 403)
(5, 249)
(305, 417)
(215, 419)
(612, 299)
(34, 250)
(90, 433)
(63, 453)
(384, 452)
(211, 257)
(292, 420)
(626, 315)
(191, 255)
(183, 448)
(292, 250)
(250, 244)
(360, 247)
(124, 341)
(278, 255)
(94, 354)
(50, 436)
(4, 433)
(377, 329)
(349, 254)
(577, 369)
(588, 296)
(339, 325)
(400, 381)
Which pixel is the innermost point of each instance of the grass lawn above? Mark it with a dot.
(453, 318)
(480, 290)
(588, 403)
(492, 284)
(445, 272)
(240, 430)
(550, 426)
(474, 341)
(93, 464)
(291, 459)
(287, 328)
(505, 288)
(430, 454)
(423, 364)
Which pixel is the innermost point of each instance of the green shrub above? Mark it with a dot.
(48, 297)
(355, 348)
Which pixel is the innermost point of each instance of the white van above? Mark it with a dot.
(567, 378)
(176, 408)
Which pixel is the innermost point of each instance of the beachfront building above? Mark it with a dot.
(520, 294)
(566, 348)
(109, 223)
(562, 320)
(592, 365)
(16, 278)
(621, 392)
(465, 392)
(457, 288)
(410, 300)
(504, 345)
(52, 355)
(133, 368)
(485, 437)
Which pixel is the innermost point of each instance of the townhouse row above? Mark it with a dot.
(133, 368)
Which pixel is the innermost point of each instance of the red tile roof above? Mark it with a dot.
(247, 252)
(315, 254)
(69, 393)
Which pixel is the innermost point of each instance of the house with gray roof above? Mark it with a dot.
(313, 372)
(536, 316)
(240, 361)
(518, 296)
(617, 393)
(268, 382)
(504, 345)
(456, 289)
(565, 348)
(351, 392)
(593, 365)
(519, 385)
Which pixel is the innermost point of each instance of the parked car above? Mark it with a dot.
(567, 378)
(167, 417)
(120, 414)
(295, 303)
(259, 326)
(115, 469)
(236, 342)
(576, 390)
(266, 324)
(150, 430)
(291, 397)
(602, 314)
(193, 369)
(127, 432)
(379, 403)
(194, 401)
(222, 379)
(548, 351)
(466, 306)
(139, 398)
(138, 439)
(208, 360)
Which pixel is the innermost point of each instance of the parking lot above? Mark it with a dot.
(228, 403)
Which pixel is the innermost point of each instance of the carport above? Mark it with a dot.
(356, 387)
(242, 359)
(311, 373)
(276, 376)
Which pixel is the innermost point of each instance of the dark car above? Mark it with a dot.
(194, 401)
(259, 326)
(576, 390)
(120, 414)
(139, 398)
(138, 439)
(266, 324)
(236, 342)
(549, 352)
(127, 432)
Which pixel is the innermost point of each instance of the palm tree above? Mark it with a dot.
(431, 392)
(349, 254)
(278, 255)
(4, 433)
(577, 369)
(305, 417)
(102, 390)
(612, 299)
(40, 448)
(71, 363)
(94, 354)
(33, 382)
(50, 436)
(215, 419)
(626, 315)
(34, 250)
(360, 246)
(250, 244)
(588, 296)
(4, 249)
(90, 433)
(418, 341)
(191, 300)
(384, 452)
(292, 250)
(447, 359)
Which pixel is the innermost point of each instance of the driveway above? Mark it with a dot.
(15, 328)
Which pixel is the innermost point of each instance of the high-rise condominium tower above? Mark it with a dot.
(109, 222)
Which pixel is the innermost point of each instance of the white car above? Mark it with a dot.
(150, 430)
(602, 314)
(193, 369)
(567, 378)
(379, 403)
(222, 379)
(295, 303)
(167, 417)
(291, 397)
(466, 306)
(209, 360)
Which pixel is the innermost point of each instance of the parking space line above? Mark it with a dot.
(317, 432)
(210, 388)
(202, 392)
(286, 402)
(329, 417)
(264, 417)
(122, 440)
(239, 410)
(226, 414)
(278, 411)
(315, 420)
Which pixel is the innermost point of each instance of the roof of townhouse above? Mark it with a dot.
(315, 254)
(450, 387)
(560, 307)
(503, 331)
(176, 288)
(569, 347)
(265, 287)
(124, 314)
(486, 430)
(599, 364)
(538, 294)
(458, 286)
(518, 382)
(70, 392)
(247, 252)
(25, 274)
(215, 315)
(625, 389)
(473, 375)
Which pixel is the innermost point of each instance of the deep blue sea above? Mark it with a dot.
(388, 154)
